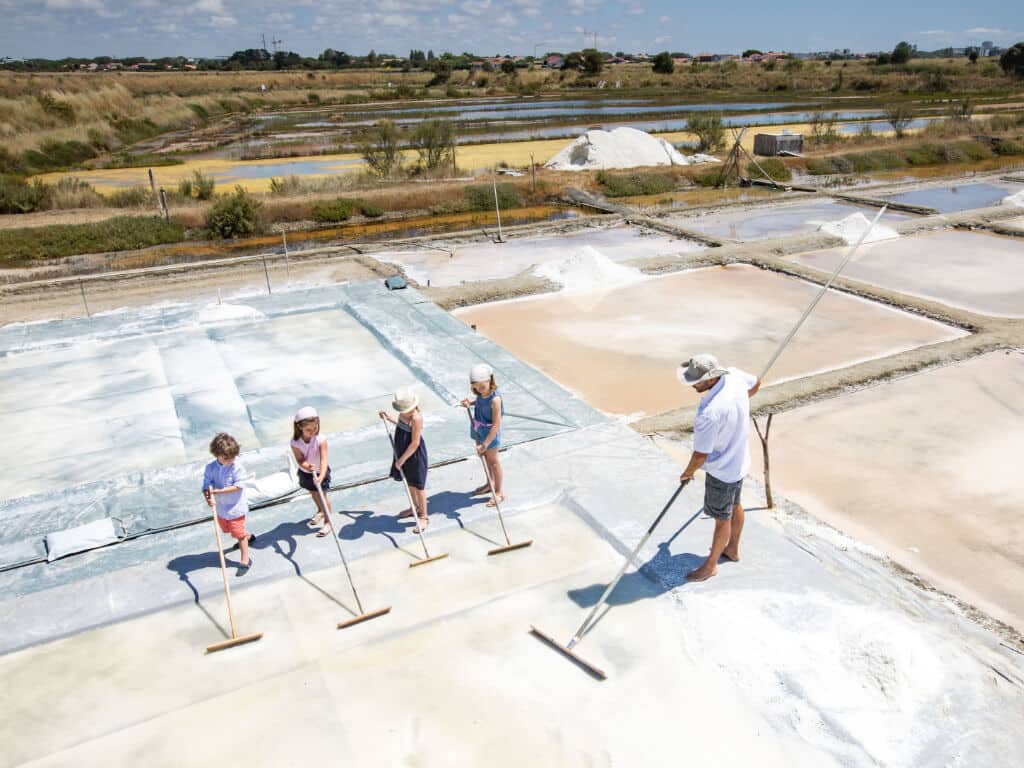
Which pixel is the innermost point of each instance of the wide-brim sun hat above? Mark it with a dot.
(405, 401)
(480, 372)
(304, 414)
(698, 369)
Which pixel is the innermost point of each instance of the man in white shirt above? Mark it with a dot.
(720, 433)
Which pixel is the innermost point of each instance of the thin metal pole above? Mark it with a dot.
(408, 493)
(266, 273)
(81, 287)
(497, 210)
(334, 535)
(287, 268)
(533, 173)
(615, 582)
(821, 293)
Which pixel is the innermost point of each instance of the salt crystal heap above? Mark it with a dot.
(854, 226)
(1015, 199)
(620, 148)
(587, 269)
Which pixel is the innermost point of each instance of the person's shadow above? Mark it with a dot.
(187, 564)
(365, 521)
(662, 573)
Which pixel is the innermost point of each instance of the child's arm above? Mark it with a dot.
(387, 417)
(466, 402)
(414, 441)
(208, 486)
(300, 459)
(323, 461)
(495, 422)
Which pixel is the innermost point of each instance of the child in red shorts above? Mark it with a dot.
(224, 483)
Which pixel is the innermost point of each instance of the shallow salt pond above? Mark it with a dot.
(775, 221)
(959, 197)
(926, 468)
(970, 270)
(618, 348)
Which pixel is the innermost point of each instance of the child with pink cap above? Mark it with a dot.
(310, 450)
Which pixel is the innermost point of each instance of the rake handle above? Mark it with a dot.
(337, 543)
(405, 483)
(490, 484)
(615, 582)
(223, 566)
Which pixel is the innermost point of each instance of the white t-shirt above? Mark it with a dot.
(722, 426)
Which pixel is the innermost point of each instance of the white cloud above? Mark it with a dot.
(934, 33)
(75, 5)
(222, 22)
(214, 7)
(507, 20)
(476, 7)
(663, 19)
(662, 39)
(988, 32)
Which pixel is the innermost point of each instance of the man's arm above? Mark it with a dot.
(697, 460)
(753, 390)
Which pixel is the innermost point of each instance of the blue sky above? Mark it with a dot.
(54, 28)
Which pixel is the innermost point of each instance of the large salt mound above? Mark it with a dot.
(853, 226)
(587, 269)
(1015, 199)
(620, 148)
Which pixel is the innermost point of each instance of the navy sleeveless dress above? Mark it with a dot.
(416, 467)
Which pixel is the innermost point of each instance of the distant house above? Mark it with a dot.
(144, 66)
(554, 61)
(681, 61)
(707, 58)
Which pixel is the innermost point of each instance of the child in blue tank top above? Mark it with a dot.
(487, 412)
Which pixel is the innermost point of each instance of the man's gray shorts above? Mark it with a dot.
(719, 497)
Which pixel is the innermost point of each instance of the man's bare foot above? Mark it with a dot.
(421, 526)
(733, 556)
(703, 573)
(404, 514)
(485, 488)
(501, 500)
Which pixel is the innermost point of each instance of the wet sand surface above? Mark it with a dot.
(927, 469)
(971, 270)
(618, 349)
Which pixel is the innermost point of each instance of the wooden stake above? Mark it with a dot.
(764, 453)
(81, 287)
(266, 273)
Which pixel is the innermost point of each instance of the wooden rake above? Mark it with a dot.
(235, 638)
(419, 529)
(509, 546)
(362, 615)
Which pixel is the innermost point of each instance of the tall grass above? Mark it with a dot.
(117, 234)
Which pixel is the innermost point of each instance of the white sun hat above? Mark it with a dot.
(480, 372)
(306, 413)
(405, 401)
(698, 369)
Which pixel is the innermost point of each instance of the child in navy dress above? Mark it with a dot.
(410, 453)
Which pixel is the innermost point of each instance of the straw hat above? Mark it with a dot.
(306, 413)
(405, 401)
(698, 369)
(480, 372)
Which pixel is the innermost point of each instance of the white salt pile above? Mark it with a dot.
(1015, 199)
(853, 227)
(620, 148)
(587, 269)
(227, 313)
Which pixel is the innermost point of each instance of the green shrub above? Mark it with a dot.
(480, 197)
(370, 210)
(709, 129)
(185, 189)
(200, 111)
(1006, 147)
(234, 215)
(59, 109)
(117, 234)
(820, 166)
(632, 184)
(974, 151)
(715, 177)
(333, 210)
(20, 196)
(11, 163)
(203, 185)
(130, 130)
(775, 168)
(927, 154)
(136, 196)
(53, 155)
(71, 192)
